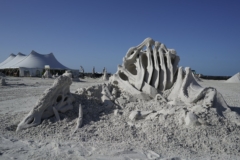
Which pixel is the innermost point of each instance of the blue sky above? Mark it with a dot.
(205, 33)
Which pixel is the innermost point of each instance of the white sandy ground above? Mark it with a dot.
(107, 136)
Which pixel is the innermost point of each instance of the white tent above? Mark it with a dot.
(33, 64)
(11, 56)
(18, 58)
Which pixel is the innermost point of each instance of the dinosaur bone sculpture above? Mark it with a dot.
(155, 70)
(55, 99)
(147, 71)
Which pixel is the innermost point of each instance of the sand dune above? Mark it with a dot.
(234, 79)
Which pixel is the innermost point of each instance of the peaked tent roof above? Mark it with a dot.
(11, 56)
(19, 57)
(235, 78)
(33, 60)
(36, 60)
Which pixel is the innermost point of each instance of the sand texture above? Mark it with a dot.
(107, 132)
(234, 79)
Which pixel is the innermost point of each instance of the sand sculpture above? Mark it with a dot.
(82, 69)
(152, 74)
(73, 77)
(2, 81)
(68, 73)
(47, 74)
(55, 99)
(93, 70)
(105, 76)
(148, 73)
(82, 72)
(104, 70)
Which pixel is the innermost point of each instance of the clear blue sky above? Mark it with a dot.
(205, 33)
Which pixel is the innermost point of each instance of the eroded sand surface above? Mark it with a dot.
(108, 136)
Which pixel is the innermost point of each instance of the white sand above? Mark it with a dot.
(106, 136)
(234, 79)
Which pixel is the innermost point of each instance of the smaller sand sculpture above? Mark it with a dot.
(68, 73)
(104, 69)
(55, 99)
(82, 72)
(74, 78)
(82, 69)
(2, 81)
(105, 76)
(47, 74)
(93, 72)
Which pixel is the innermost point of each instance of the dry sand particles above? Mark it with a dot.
(108, 133)
(234, 79)
(121, 127)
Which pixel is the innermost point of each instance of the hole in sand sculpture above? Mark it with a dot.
(132, 69)
(30, 121)
(65, 99)
(144, 61)
(115, 82)
(123, 76)
(153, 46)
(158, 59)
(59, 98)
(172, 60)
(165, 62)
(163, 51)
(159, 98)
(144, 49)
(153, 61)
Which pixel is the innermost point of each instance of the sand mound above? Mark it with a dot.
(109, 133)
(234, 79)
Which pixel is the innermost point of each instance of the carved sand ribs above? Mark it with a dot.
(150, 70)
